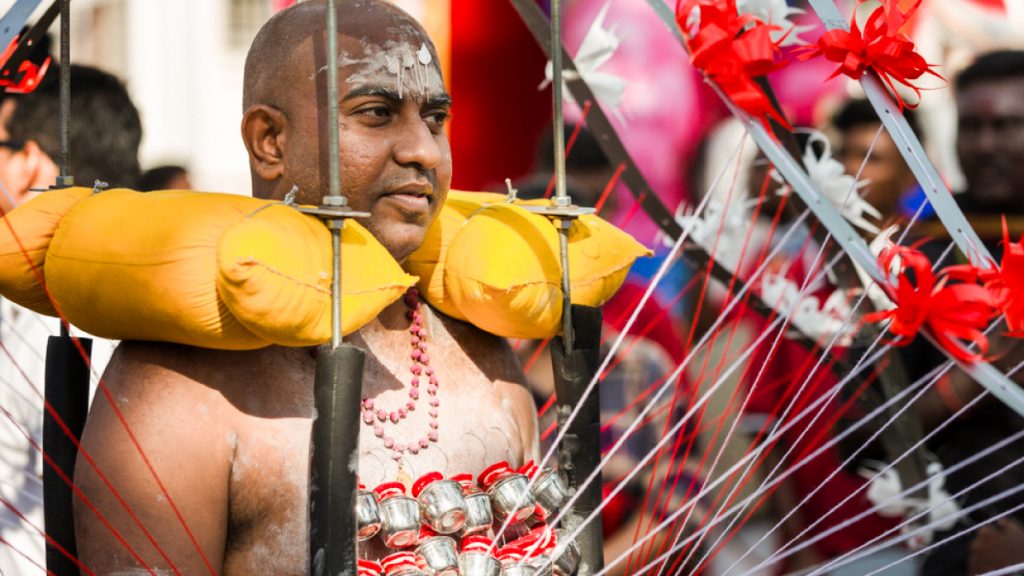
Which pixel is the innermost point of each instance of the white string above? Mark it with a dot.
(621, 337)
(785, 428)
(1007, 571)
(964, 513)
(896, 497)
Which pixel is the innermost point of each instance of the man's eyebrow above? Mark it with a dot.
(433, 100)
(362, 91)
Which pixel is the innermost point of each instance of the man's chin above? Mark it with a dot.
(401, 243)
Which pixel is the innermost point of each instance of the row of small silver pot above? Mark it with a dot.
(438, 556)
(450, 508)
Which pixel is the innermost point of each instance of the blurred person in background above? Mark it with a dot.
(168, 177)
(990, 146)
(862, 141)
(105, 133)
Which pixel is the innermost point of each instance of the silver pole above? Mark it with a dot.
(562, 199)
(334, 197)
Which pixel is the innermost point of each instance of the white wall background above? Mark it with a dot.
(182, 61)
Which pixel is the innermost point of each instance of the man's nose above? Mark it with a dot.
(418, 146)
(987, 140)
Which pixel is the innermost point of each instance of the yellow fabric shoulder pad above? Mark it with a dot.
(206, 269)
(25, 236)
(428, 262)
(503, 272)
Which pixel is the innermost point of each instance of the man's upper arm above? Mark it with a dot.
(178, 424)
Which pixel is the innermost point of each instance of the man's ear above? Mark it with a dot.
(263, 135)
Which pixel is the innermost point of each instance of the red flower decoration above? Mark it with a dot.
(880, 46)
(732, 49)
(955, 315)
(1006, 283)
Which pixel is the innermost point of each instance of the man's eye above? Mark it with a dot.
(437, 118)
(376, 112)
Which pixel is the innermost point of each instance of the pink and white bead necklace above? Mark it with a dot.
(378, 417)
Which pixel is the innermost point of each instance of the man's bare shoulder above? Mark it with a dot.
(251, 380)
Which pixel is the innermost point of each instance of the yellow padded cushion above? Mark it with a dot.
(25, 236)
(503, 271)
(428, 260)
(151, 266)
(275, 275)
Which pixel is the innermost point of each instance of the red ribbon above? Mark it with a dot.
(955, 314)
(1006, 283)
(880, 46)
(732, 49)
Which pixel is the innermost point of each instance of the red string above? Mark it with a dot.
(568, 146)
(49, 540)
(106, 392)
(85, 454)
(609, 187)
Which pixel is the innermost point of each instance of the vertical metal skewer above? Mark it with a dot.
(338, 386)
(562, 199)
(575, 355)
(334, 197)
(66, 385)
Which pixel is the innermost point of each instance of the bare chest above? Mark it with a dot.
(475, 426)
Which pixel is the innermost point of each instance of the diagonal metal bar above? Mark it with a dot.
(986, 375)
(938, 193)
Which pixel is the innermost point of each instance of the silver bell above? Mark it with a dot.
(399, 516)
(439, 555)
(549, 492)
(442, 503)
(368, 515)
(479, 564)
(511, 497)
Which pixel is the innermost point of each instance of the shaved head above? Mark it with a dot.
(394, 151)
(269, 65)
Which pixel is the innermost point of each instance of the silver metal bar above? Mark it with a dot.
(910, 147)
(985, 374)
(334, 197)
(65, 94)
(562, 199)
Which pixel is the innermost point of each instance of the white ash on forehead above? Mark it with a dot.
(402, 64)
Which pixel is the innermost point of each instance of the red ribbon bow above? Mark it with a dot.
(880, 46)
(732, 49)
(954, 314)
(1006, 283)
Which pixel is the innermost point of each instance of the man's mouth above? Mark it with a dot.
(413, 197)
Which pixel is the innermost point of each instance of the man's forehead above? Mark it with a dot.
(407, 65)
(997, 95)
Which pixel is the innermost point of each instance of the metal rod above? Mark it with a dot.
(334, 197)
(338, 387)
(65, 92)
(562, 199)
(65, 179)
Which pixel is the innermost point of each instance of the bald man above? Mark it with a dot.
(228, 432)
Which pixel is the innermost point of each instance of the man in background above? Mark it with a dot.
(105, 133)
(990, 146)
(891, 184)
